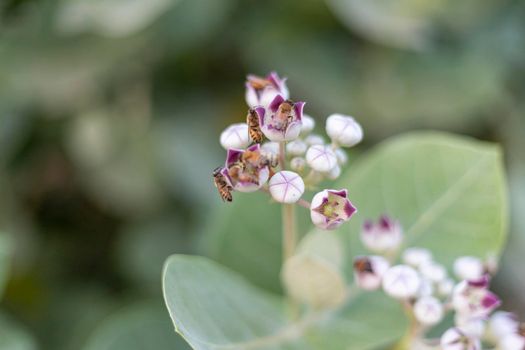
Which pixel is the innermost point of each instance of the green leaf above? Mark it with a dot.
(13, 337)
(5, 248)
(213, 308)
(448, 192)
(137, 327)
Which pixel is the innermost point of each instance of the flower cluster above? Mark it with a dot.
(428, 292)
(275, 151)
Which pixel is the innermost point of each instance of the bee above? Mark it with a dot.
(284, 114)
(363, 265)
(521, 329)
(254, 129)
(225, 190)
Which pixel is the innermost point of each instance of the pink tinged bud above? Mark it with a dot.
(468, 268)
(342, 157)
(331, 208)
(428, 311)
(314, 140)
(308, 125)
(282, 120)
(433, 271)
(417, 256)
(512, 342)
(344, 130)
(246, 170)
(261, 91)
(235, 136)
(455, 339)
(383, 236)
(474, 300)
(296, 148)
(298, 164)
(321, 158)
(369, 270)
(286, 187)
(401, 282)
(503, 323)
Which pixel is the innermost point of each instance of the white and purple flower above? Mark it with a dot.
(369, 270)
(344, 130)
(286, 187)
(246, 170)
(261, 91)
(282, 119)
(455, 339)
(331, 208)
(382, 237)
(473, 299)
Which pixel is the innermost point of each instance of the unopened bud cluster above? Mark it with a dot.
(426, 289)
(276, 151)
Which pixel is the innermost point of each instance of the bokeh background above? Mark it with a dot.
(110, 112)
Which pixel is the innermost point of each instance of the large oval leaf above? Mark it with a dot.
(213, 309)
(448, 192)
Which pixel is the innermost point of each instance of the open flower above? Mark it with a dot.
(282, 119)
(261, 91)
(369, 270)
(473, 299)
(455, 339)
(246, 170)
(330, 208)
(384, 236)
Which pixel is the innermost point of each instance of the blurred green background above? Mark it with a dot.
(110, 113)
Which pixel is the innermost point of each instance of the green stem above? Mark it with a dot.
(289, 230)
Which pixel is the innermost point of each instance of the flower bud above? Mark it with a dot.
(502, 323)
(321, 158)
(512, 342)
(261, 91)
(330, 208)
(433, 271)
(342, 157)
(298, 164)
(468, 268)
(296, 148)
(344, 130)
(472, 327)
(382, 237)
(313, 139)
(428, 311)
(286, 187)
(369, 270)
(282, 120)
(426, 289)
(401, 282)
(334, 173)
(308, 125)
(445, 287)
(417, 256)
(455, 339)
(235, 136)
